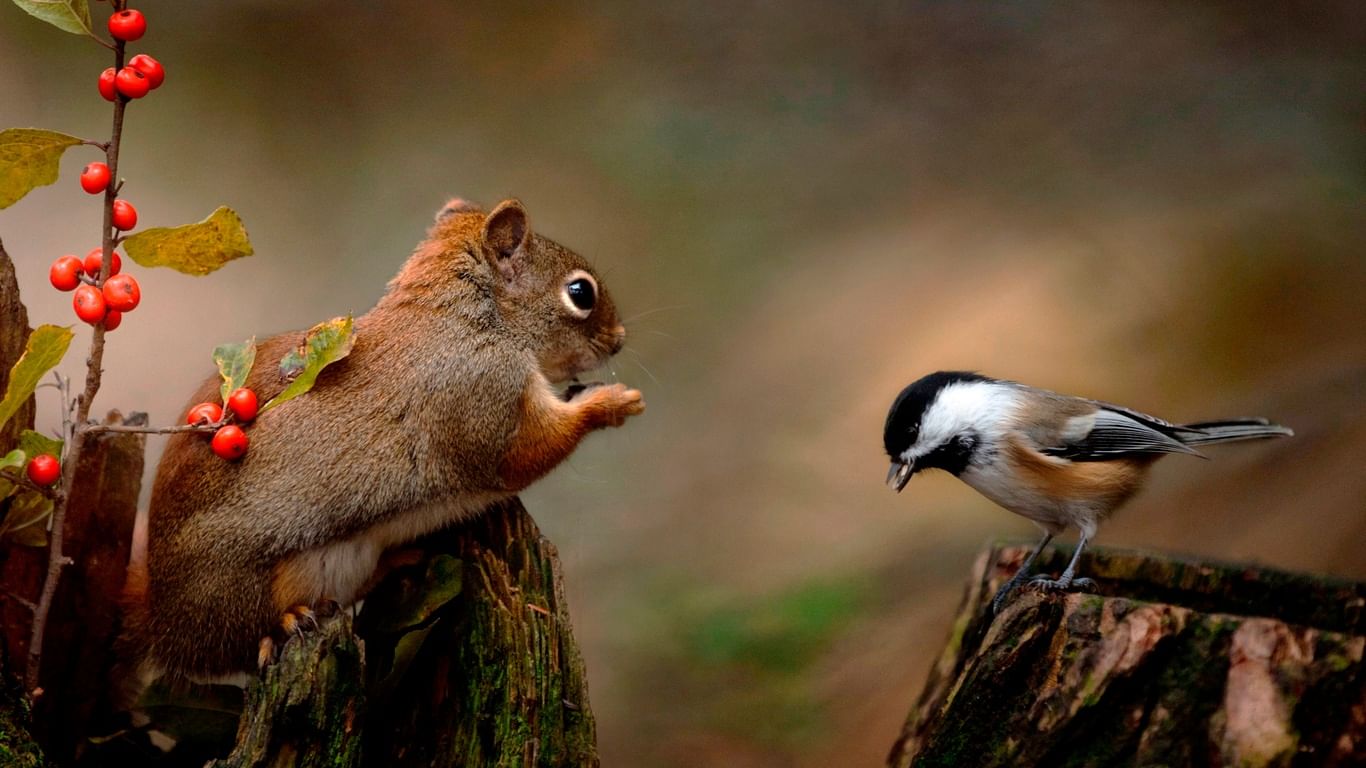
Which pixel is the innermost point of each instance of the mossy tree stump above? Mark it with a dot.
(462, 656)
(1171, 663)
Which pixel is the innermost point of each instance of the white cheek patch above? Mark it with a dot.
(983, 407)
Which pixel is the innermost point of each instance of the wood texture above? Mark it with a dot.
(1172, 663)
(463, 655)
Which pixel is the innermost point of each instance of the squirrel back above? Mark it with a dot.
(444, 405)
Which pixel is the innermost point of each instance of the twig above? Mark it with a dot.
(24, 482)
(56, 560)
(91, 427)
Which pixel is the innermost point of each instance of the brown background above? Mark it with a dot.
(800, 208)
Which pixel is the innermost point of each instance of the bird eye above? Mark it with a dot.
(580, 294)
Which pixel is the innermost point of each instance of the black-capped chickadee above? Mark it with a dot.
(1055, 459)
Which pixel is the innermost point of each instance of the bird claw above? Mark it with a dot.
(1079, 584)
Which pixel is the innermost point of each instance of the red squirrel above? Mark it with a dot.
(444, 405)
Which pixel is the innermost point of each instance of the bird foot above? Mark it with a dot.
(1079, 584)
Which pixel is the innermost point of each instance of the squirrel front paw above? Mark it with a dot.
(609, 405)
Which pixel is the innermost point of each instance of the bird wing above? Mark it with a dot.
(1117, 432)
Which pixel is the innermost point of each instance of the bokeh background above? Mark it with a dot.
(800, 207)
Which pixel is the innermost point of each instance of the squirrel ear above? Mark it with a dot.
(456, 205)
(505, 230)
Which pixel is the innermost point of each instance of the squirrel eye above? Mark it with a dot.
(580, 294)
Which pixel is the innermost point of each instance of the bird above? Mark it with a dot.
(1056, 459)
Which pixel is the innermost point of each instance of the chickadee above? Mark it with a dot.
(1055, 459)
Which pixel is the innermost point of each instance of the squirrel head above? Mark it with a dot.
(490, 267)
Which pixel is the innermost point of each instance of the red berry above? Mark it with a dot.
(112, 319)
(230, 442)
(127, 25)
(243, 403)
(95, 257)
(132, 83)
(125, 215)
(204, 413)
(65, 273)
(44, 469)
(121, 293)
(156, 74)
(95, 178)
(89, 304)
(107, 89)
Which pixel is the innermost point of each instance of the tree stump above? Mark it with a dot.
(463, 655)
(1172, 663)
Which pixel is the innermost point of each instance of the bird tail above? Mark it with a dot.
(1228, 430)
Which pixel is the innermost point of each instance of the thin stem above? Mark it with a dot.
(23, 482)
(56, 559)
(86, 429)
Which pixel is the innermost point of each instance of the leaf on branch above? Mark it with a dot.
(325, 344)
(67, 15)
(36, 443)
(234, 364)
(195, 249)
(45, 349)
(13, 460)
(21, 525)
(29, 158)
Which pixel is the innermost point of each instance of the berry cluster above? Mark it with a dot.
(96, 301)
(142, 73)
(106, 300)
(229, 440)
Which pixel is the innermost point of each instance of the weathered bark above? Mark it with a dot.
(21, 568)
(1190, 664)
(468, 659)
(308, 708)
(78, 652)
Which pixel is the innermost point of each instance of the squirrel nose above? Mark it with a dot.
(618, 338)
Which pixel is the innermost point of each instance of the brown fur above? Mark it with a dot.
(443, 406)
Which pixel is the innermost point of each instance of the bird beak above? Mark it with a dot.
(899, 475)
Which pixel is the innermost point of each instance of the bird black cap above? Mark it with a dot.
(903, 420)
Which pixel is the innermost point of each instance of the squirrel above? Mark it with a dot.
(444, 405)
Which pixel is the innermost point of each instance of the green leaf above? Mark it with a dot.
(37, 443)
(234, 364)
(325, 344)
(15, 458)
(67, 15)
(21, 525)
(45, 349)
(443, 582)
(29, 158)
(195, 249)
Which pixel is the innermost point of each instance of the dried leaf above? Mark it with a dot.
(29, 158)
(44, 351)
(234, 364)
(325, 344)
(195, 249)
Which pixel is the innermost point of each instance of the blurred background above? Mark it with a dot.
(800, 207)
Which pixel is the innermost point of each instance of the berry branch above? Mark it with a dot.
(94, 369)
